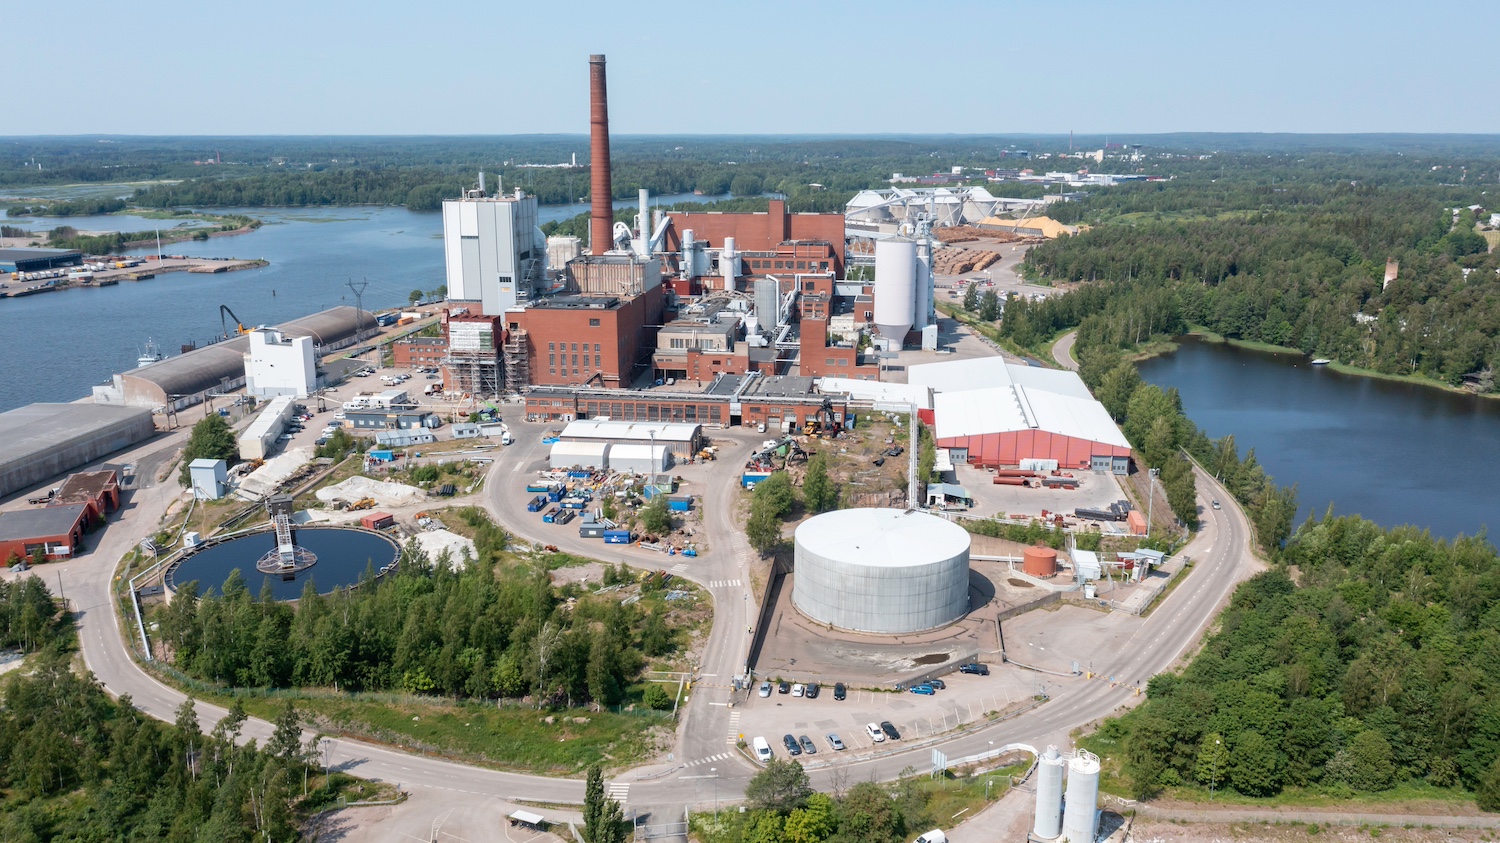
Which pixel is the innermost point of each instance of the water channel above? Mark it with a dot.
(1393, 452)
(58, 345)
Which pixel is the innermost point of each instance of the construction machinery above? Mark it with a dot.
(239, 327)
(823, 422)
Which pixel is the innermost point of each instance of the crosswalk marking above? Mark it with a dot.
(619, 791)
(679, 568)
(724, 584)
(734, 727)
(723, 756)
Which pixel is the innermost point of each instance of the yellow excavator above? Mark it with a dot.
(239, 327)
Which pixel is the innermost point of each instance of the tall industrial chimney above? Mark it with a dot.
(602, 219)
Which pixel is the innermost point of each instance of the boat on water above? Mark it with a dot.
(150, 355)
(1321, 361)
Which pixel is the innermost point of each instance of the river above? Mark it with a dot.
(1393, 452)
(58, 345)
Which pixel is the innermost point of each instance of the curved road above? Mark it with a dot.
(1222, 553)
(1062, 351)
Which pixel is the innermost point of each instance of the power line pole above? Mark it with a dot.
(359, 305)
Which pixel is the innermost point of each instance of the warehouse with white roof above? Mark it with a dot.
(682, 440)
(991, 413)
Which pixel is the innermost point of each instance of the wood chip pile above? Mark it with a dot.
(958, 261)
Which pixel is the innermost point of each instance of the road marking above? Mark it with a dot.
(679, 568)
(725, 583)
(619, 791)
(723, 756)
(734, 727)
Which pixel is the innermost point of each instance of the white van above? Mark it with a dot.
(762, 749)
(505, 438)
(934, 836)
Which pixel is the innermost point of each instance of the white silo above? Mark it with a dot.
(922, 315)
(768, 303)
(1080, 818)
(895, 287)
(1049, 793)
(729, 263)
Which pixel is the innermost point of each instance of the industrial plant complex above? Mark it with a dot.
(690, 355)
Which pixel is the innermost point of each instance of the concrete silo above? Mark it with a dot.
(1080, 818)
(1049, 794)
(895, 287)
(881, 570)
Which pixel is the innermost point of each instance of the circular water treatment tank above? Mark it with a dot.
(881, 570)
(343, 554)
(1039, 561)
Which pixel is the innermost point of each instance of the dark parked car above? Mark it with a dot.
(792, 747)
(838, 691)
(784, 688)
(812, 691)
(975, 668)
(890, 731)
(937, 683)
(807, 745)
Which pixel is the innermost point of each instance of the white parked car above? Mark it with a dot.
(874, 732)
(798, 689)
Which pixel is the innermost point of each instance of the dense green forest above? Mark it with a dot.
(1355, 665)
(480, 632)
(1301, 267)
(78, 765)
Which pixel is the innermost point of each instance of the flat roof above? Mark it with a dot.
(781, 386)
(90, 483)
(576, 303)
(39, 523)
(882, 537)
(37, 427)
(35, 254)
(632, 430)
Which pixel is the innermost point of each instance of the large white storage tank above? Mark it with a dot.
(881, 570)
(1049, 794)
(1081, 814)
(895, 286)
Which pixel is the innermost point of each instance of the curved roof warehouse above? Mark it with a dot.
(188, 377)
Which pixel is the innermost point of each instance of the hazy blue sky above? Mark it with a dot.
(503, 67)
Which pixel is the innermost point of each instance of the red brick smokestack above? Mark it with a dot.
(602, 220)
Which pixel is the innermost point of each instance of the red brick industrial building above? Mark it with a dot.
(56, 530)
(813, 242)
(415, 352)
(596, 340)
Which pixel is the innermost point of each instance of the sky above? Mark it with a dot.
(766, 66)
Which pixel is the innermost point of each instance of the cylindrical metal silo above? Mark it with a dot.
(881, 570)
(1039, 561)
(1079, 818)
(1049, 794)
(895, 286)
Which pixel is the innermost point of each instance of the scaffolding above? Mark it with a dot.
(472, 362)
(517, 360)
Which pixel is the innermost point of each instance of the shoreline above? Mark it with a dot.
(1204, 335)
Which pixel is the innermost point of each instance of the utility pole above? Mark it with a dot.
(359, 306)
(1150, 498)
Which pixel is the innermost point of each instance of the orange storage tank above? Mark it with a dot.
(1039, 561)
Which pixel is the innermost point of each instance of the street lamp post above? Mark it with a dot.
(1213, 779)
(1151, 498)
(715, 772)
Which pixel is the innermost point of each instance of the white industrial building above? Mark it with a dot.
(210, 479)
(682, 440)
(280, 364)
(45, 440)
(883, 394)
(881, 570)
(597, 455)
(496, 257)
(259, 439)
(874, 212)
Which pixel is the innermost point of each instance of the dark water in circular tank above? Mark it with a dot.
(343, 556)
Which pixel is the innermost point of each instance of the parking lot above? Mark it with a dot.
(966, 699)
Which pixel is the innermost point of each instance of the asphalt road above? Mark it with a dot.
(1221, 553)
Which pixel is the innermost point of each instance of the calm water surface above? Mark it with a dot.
(1394, 453)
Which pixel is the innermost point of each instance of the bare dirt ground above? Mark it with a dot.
(1158, 831)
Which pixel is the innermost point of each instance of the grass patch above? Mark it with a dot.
(502, 737)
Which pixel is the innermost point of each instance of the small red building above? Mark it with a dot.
(58, 530)
(99, 490)
(378, 521)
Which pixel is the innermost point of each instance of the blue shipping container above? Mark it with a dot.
(554, 494)
(551, 515)
(574, 503)
(677, 504)
(537, 503)
(617, 537)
